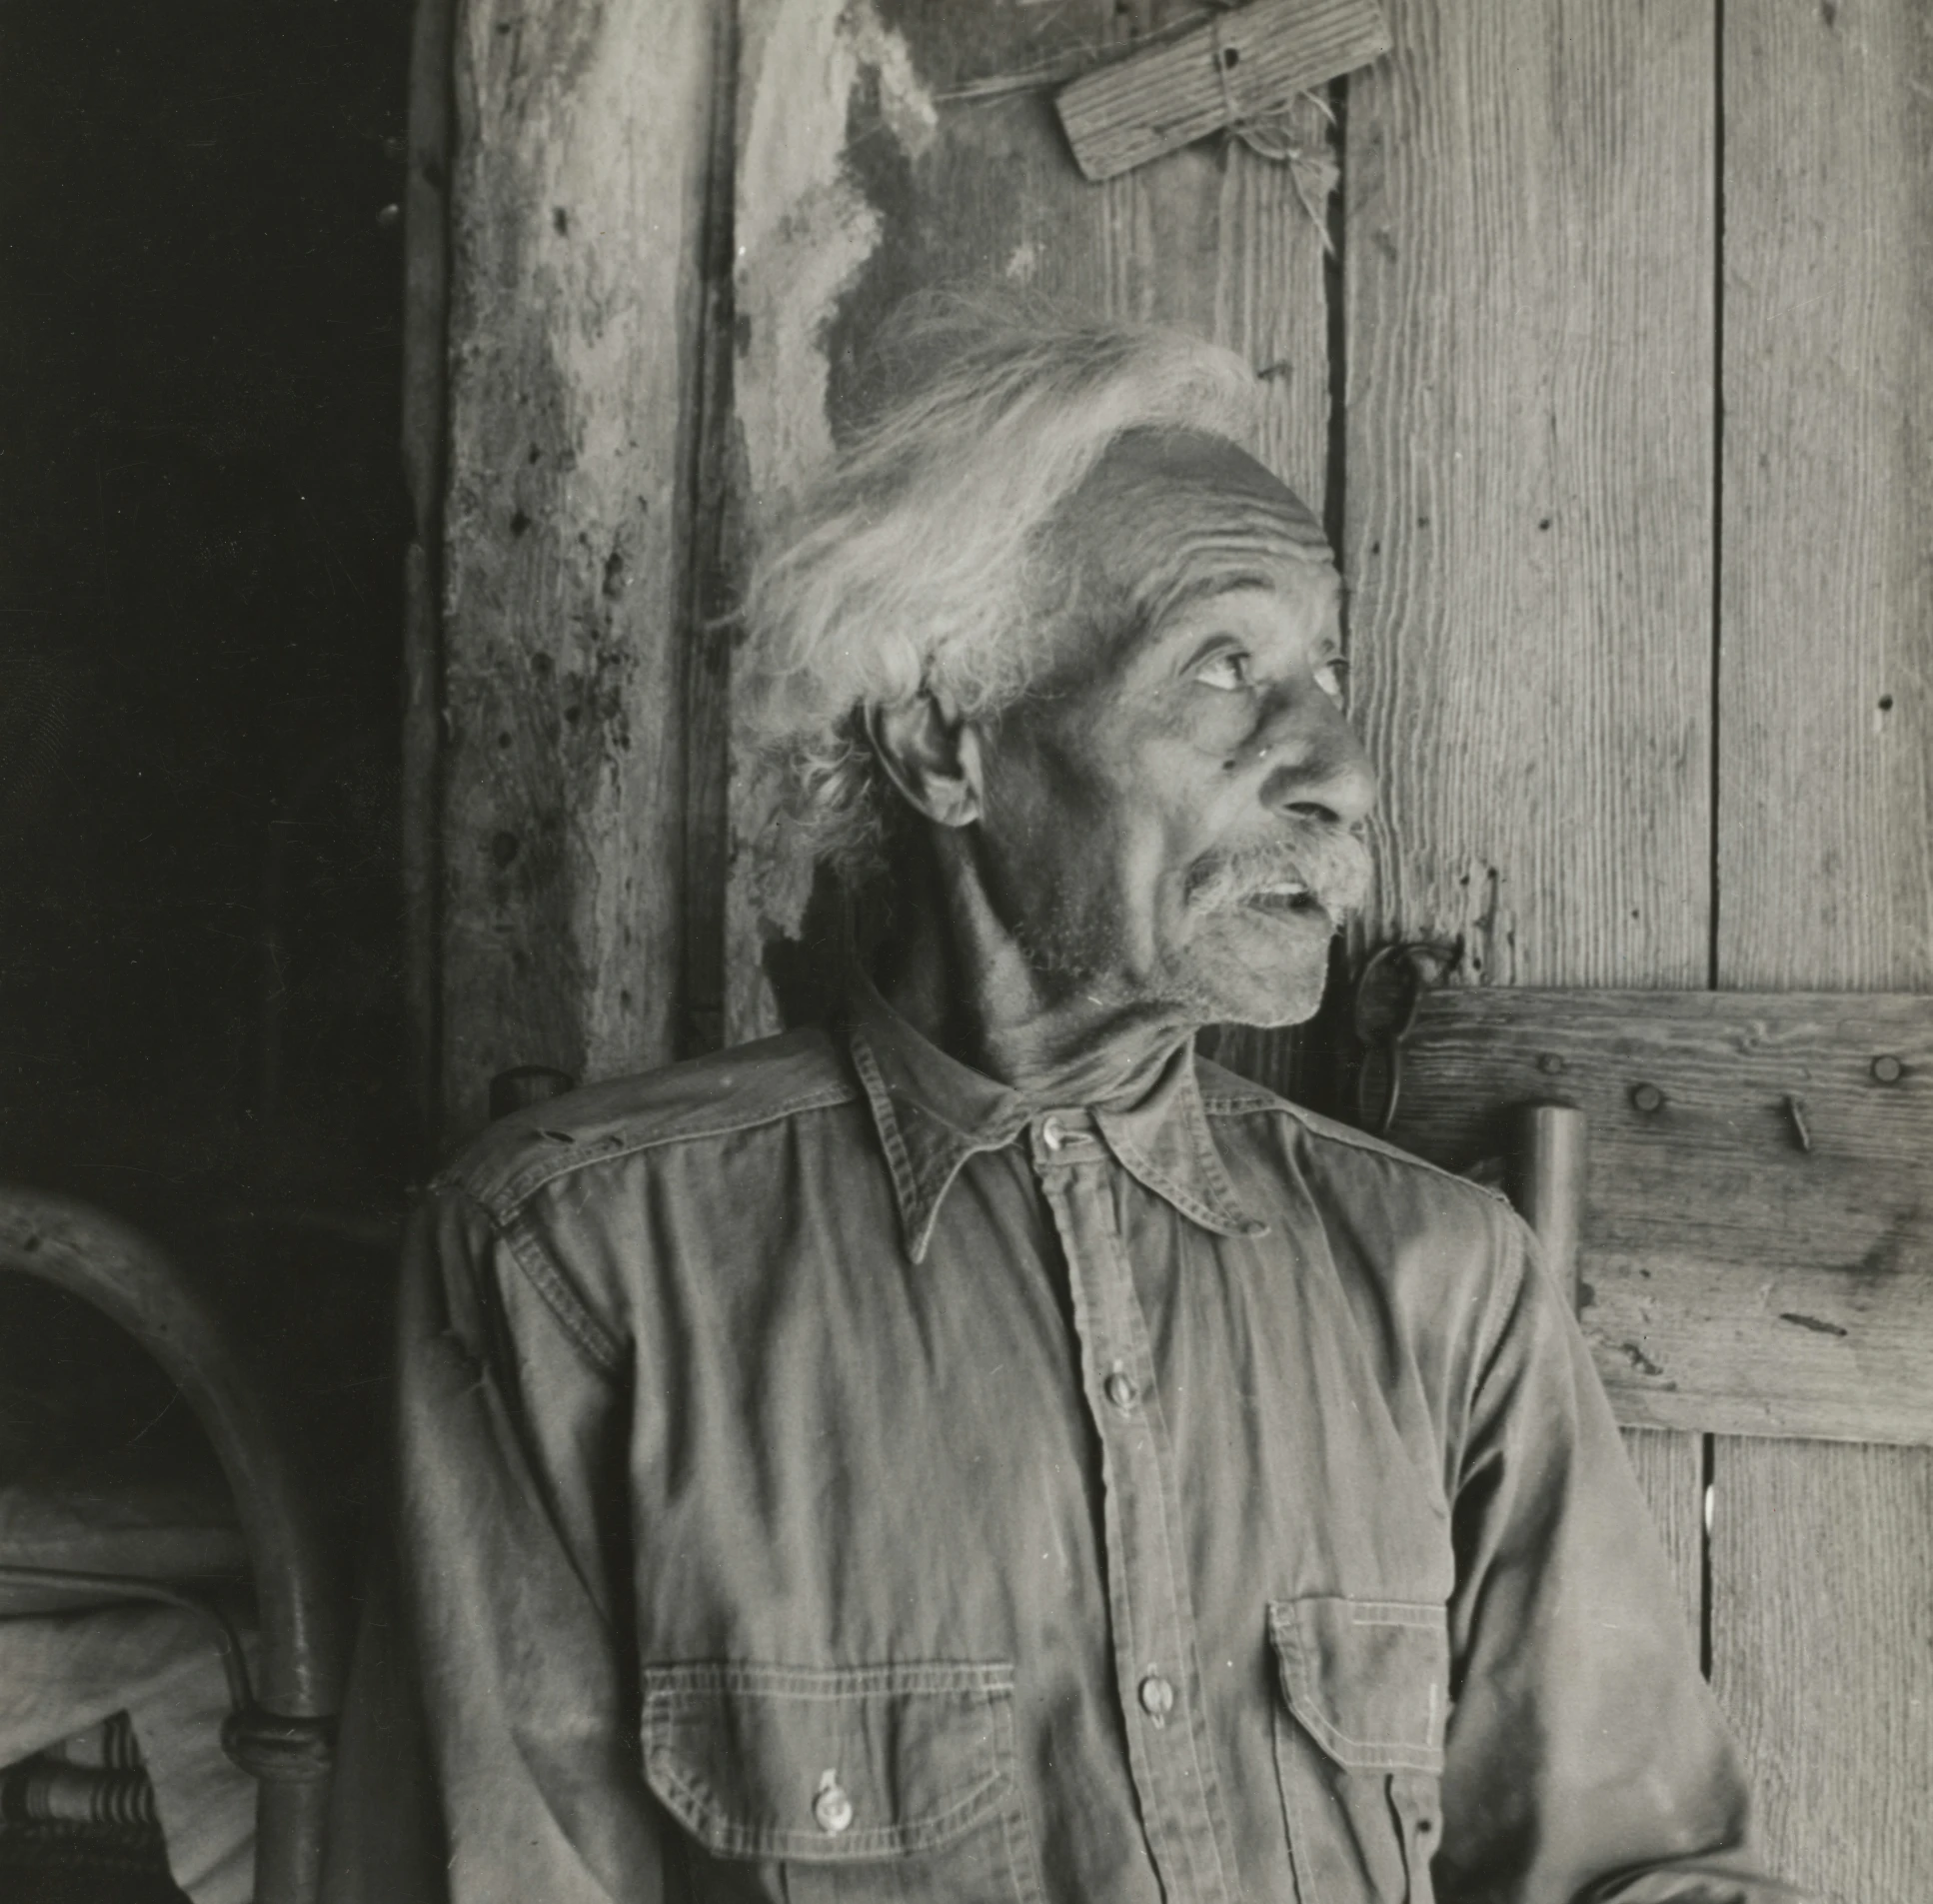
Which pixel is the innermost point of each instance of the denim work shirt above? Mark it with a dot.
(827, 1474)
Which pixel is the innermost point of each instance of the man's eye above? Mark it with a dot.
(1333, 680)
(1228, 670)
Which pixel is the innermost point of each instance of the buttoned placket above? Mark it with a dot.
(1157, 1675)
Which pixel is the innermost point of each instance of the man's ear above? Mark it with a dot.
(931, 755)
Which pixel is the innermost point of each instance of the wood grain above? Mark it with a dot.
(1669, 1470)
(1822, 1630)
(1527, 246)
(1529, 261)
(1825, 850)
(1733, 1280)
(879, 152)
(578, 195)
(1821, 1643)
(1245, 65)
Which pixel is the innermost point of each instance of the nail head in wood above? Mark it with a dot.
(1887, 1069)
(1647, 1099)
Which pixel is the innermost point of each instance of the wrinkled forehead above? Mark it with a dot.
(1168, 515)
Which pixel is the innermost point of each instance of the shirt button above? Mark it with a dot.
(1122, 1390)
(832, 1809)
(1158, 1697)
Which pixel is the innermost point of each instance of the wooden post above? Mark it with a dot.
(1546, 1164)
(576, 197)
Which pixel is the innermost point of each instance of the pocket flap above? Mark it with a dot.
(1368, 1680)
(795, 1762)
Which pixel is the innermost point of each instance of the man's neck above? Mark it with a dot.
(953, 971)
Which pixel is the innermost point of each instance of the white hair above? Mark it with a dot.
(919, 561)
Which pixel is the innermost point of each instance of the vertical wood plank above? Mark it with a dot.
(1669, 1468)
(577, 205)
(1528, 337)
(1822, 1649)
(1822, 1636)
(1825, 872)
(893, 148)
(1529, 400)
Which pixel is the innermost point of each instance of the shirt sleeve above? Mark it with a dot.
(1585, 1758)
(512, 1430)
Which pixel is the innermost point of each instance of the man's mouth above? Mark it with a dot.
(1320, 881)
(1285, 896)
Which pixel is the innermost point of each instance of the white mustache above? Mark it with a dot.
(1334, 866)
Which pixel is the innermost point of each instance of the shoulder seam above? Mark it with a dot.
(504, 1203)
(1348, 1139)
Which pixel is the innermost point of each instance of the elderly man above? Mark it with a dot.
(979, 1450)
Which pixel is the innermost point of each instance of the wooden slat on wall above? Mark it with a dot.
(1527, 262)
(1669, 1470)
(1822, 1658)
(1757, 1252)
(578, 195)
(1822, 1556)
(886, 151)
(1530, 288)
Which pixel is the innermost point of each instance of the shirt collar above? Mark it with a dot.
(933, 1113)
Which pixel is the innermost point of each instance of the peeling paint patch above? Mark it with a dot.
(805, 232)
(805, 229)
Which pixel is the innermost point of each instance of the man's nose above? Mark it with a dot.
(1317, 768)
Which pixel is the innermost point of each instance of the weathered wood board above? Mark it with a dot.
(1670, 1470)
(1733, 1280)
(1822, 1555)
(1825, 679)
(1238, 67)
(577, 196)
(881, 152)
(1528, 241)
(1528, 246)
(1822, 1638)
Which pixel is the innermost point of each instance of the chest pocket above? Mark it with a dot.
(860, 1785)
(1359, 1745)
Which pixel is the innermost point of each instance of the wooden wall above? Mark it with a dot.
(1614, 395)
(1822, 1556)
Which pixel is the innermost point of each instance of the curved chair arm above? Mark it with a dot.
(284, 1740)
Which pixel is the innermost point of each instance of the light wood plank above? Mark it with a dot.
(1670, 1470)
(1823, 1630)
(1529, 287)
(1826, 678)
(1734, 1280)
(578, 195)
(876, 159)
(1821, 1640)
(1527, 242)
(1244, 66)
